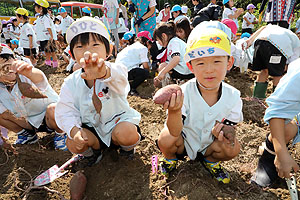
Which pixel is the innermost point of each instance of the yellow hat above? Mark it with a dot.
(86, 25)
(43, 3)
(207, 42)
(22, 11)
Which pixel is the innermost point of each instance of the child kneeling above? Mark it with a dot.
(93, 107)
(191, 127)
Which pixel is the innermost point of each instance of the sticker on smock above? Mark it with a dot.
(275, 59)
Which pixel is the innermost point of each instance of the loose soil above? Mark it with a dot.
(133, 179)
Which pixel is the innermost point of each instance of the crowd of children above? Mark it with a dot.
(92, 113)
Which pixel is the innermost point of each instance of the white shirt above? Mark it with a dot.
(200, 118)
(122, 28)
(152, 3)
(14, 31)
(5, 33)
(65, 23)
(26, 31)
(251, 18)
(226, 13)
(42, 24)
(177, 45)
(161, 14)
(75, 105)
(133, 56)
(180, 17)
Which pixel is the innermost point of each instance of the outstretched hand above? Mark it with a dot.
(94, 67)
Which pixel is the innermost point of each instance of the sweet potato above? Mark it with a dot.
(164, 94)
(28, 90)
(96, 101)
(229, 133)
(77, 186)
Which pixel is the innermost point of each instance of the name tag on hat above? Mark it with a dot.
(275, 59)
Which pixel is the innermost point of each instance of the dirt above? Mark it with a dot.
(133, 179)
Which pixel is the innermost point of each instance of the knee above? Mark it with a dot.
(126, 135)
(232, 152)
(50, 111)
(166, 140)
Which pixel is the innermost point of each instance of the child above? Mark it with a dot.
(135, 58)
(90, 131)
(283, 117)
(14, 30)
(165, 35)
(122, 30)
(27, 36)
(177, 13)
(183, 29)
(228, 13)
(5, 32)
(23, 115)
(66, 21)
(246, 55)
(249, 20)
(86, 11)
(46, 33)
(191, 127)
(128, 39)
(274, 47)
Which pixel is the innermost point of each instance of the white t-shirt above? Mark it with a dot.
(226, 13)
(42, 25)
(26, 31)
(65, 23)
(180, 17)
(177, 46)
(6, 33)
(122, 28)
(133, 56)
(14, 31)
(251, 18)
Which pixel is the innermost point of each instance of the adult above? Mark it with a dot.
(165, 14)
(144, 15)
(198, 5)
(278, 12)
(112, 13)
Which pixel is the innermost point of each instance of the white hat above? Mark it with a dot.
(4, 49)
(86, 25)
(184, 9)
(59, 17)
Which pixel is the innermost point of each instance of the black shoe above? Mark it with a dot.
(127, 154)
(265, 173)
(133, 92)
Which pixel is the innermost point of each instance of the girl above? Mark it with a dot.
(21, 114)
(228, 13)
(183, 29)
(249, 19)
(122, 30)
(46, 33)
(27, 36)
(135, 58)
(128, 39)
(175, 65)
(90, 131)
(14, 29)
(5, 32)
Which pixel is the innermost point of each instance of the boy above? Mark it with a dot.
(90, 131)
(283, 117)
(24, 115)
(191, 127)
(66, 21)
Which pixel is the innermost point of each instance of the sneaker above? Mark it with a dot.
(217, 171)
(27, 137)
(93, 159)
(55, 64)
(167, 165)
(60, 141)
(127, 154)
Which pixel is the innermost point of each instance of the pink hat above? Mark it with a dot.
(145, 34)
(231, 24)
(250, 6)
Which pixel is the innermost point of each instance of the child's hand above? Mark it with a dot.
(161, 75)
(175, 102)
(22, 67)
(94, 67)
(285, 164)
(80, 139)
(219, 134)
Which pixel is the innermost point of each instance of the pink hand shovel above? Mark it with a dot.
(54, 172)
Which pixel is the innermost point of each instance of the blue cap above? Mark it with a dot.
(15, 41)
(176, 8)
(86, 10)
(225, 1)
(61, 10)
(127, 36)
(245, 35)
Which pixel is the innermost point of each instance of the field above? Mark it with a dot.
(133, 179)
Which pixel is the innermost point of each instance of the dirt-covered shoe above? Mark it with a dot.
(127, 154)
(60, 141)
(217, 171)
(27, 137)
(167, 165)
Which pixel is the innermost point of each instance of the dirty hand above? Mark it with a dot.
(285, 164)
(161, 75)
(94, 67)
(175, 103)
(80, 139)
(219, 134)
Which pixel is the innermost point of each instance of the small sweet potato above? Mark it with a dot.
(229, 133)
(28, 90)
(164, 94)
(77, 186)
